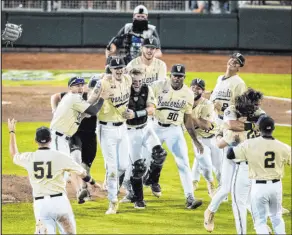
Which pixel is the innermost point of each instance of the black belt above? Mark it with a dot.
(60, 134)
(164, 125)
(54, 195)
(265, 181)
(138, 127)
(238, 163)
(209, 137)
(114, 123)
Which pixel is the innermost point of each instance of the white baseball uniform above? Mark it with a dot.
(153, 72)
(211, 158)
(66, 120)
(112, 132)
(172, 105)
(266, 158)
(223, 96)
(241, 184)
(46, 169)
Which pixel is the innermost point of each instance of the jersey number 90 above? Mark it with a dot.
(39, 170)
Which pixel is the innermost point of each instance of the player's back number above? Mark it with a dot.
(42, 168)
(269, 161)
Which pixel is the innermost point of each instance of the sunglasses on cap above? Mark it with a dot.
(77, 81)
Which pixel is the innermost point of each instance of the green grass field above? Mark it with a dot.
(165, 215)
(278, 85)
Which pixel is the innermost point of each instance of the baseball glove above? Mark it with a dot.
(11, 33)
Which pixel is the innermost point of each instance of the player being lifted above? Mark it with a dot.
(174, 107)
(266, 158)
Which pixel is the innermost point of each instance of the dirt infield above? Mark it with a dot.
(31, 103)
(193, 62)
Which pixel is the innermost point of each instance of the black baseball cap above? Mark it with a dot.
(199, 82)
(266, 123)
(150, 42)
(43, 135)
(240, 58)
(178, 69)
(75, 81)
(117, 62)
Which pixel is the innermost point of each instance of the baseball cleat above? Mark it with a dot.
(140, 205)
(81, 195)
(156, 190)
(128, 198)
(211, 189)
(192, 203)
(285, 211)
(209, 220)
(196, 184)
(113, 208)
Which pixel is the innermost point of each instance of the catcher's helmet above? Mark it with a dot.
(178, 69)
(150, 42)
(240, 58)
(199, 82)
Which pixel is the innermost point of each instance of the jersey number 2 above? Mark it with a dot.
(39, 170)
(269, 161)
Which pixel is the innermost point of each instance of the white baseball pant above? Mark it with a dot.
(174, 138)
(60, 143)
(210, 160)
(227, 171)
(114, 145)
(240, 192)
(55, 212)
(142, 137)
(267, 202)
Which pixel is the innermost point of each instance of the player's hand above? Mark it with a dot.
(129, 114)
(217, 106)
(242, 119)
(199, 147)
(11, 124)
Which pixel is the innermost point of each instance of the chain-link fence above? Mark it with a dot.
(160, 6)
(27, 5)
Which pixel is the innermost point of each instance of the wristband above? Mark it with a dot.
(92, 181)
(87, 178)
(141, 113)
(248, 126)
(11, 132)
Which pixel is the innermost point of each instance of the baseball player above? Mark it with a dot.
(153, 69)
(245, 111)
(174, 107)
(266, 158)
(127, 43)
(83, 144)
(204, 115)
(67, 118)
(46, 168)
(142, 103)
(112, 129)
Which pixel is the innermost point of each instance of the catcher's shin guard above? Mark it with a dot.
(139, 169)
(158, 156)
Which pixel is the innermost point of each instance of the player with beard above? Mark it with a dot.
(153, 69)
(127, 43)
(174, 108)
(203, 115)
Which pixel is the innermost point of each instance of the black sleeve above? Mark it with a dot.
(94, 108)
(63, 94)
(230, 153)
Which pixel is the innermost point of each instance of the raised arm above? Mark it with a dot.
(12, 143)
